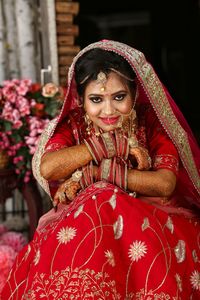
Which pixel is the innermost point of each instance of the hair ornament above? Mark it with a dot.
(84, 79)
(120, 74)
(102, 78)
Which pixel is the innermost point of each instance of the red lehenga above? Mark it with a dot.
(107, 244)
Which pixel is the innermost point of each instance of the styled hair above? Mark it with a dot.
(98, 60)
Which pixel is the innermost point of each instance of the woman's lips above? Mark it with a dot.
(110, 121)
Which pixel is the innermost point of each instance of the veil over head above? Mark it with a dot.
(152, 91)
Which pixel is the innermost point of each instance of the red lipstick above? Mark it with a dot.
(110, 121)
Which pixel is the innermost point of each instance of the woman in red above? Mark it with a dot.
(122, 167)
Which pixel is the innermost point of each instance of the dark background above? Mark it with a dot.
(167, 32)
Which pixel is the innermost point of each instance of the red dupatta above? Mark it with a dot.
(152, 91)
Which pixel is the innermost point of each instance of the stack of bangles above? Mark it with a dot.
(113, 171)
(101, 147)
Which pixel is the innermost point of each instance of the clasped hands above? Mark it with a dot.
(110, 147)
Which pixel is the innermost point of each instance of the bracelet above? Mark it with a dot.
(108, 144)
(104, 169)
(133, 142)
(95, 149)
(76, 176)
(103, 146)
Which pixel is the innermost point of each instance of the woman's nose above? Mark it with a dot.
(108, 108)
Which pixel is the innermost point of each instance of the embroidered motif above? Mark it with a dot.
(54, 147)
(72, 284)
(195, 256)
(79, 211)
(66, 234)
(118, 227)
(166, 161)
(137, 250)
(110, 257)
(145, 224)
(195, 280)
(170, 224)
(179, 251)
(112, 201)
(179, 282)
(37, 258)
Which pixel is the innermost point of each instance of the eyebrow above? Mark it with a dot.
(118, 92)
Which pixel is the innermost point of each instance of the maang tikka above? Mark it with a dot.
(101, 79)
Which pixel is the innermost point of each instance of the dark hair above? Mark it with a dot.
(96, 60)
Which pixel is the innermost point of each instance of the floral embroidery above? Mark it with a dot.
(66, 234)
(179, 282)
(37, 257)
(170, 224)
(112, 201)
(195, 280)
(110, 257)
(54, 147)
(179, 251)
(145, 224)
(137, 250)
(27, 252)
(195, 256)
(79, 211)
(118, 227)
(166, 161)
(73, 284)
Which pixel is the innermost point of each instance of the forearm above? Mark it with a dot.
(62, 163)
(160, 183)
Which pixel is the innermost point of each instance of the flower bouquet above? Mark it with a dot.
(25, 109)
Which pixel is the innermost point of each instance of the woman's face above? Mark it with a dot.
(108, 104)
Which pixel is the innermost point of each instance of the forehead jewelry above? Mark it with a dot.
(102, 78)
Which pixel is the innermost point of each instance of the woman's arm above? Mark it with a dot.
(62, 163)
(159, 183)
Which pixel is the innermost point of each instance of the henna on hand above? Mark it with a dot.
(142, 157)
(66, 192)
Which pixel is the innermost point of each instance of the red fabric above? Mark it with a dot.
(63, 137)
(109, 245)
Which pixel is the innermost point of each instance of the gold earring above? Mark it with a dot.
(89, 124)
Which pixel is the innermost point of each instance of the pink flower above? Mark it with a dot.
(7, 258)
(23, 106)
(16, 240)
(24, 112)
(17, 124)
(22, 89)
(50, 90)
(17, 159)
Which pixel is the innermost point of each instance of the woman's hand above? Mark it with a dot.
(142, 157)
(66, 192)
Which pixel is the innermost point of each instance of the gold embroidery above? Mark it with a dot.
(106, 165)
(82, 284)
(179, 251)
(195, 280)
(166, 160)
(170, 224)
(145, 224)
(118, 227)
(137, 250)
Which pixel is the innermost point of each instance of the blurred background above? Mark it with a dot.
(167, 32)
